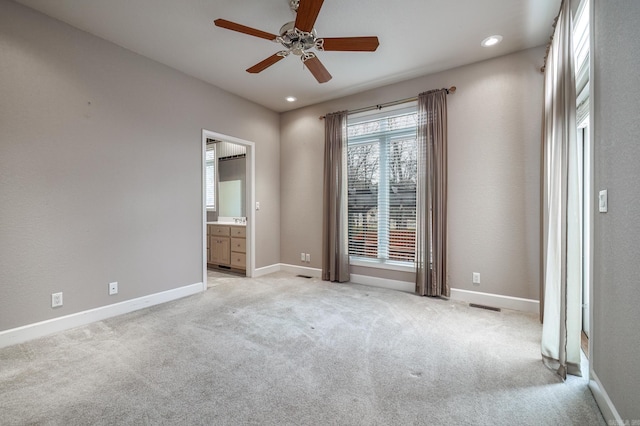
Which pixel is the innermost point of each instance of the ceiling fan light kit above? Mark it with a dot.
(299, 37)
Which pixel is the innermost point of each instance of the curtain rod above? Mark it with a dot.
(450, 90)
(553, 30)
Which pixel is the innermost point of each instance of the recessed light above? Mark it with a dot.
(491, 40)
(291, 99)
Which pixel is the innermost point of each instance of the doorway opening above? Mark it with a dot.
(238, 192)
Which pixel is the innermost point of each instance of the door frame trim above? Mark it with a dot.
(249, 194)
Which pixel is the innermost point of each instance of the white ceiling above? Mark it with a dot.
(417, 37)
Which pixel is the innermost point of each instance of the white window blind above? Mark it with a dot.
(581, 47)
(210, 176)
(382, 169)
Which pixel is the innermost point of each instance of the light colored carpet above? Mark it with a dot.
(219, 276)
(284, 350)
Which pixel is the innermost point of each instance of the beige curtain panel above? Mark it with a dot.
(431, 196)
(561, 246)
(335, 243)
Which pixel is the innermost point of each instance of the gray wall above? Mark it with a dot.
(494, 172)
(616, 96)
(100, 169)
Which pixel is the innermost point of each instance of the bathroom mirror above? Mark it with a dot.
(231, 196)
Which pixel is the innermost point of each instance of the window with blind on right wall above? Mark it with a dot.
(581, 48)
(382, 177)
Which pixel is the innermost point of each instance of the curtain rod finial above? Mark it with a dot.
(452, 89)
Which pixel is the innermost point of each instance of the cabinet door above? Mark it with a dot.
(220, 250)
(210, 249)
(209, 237)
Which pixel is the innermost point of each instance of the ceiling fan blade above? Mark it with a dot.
(317, 69)
(261, 66)
(223, 23)
(352, 44)
(307, 14)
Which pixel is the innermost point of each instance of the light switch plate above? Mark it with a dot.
(603, 203)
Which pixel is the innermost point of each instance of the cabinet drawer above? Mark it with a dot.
(239, 245)
(239, 260)
(219, 230)
(238, 231)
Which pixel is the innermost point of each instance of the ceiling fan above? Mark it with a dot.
(299, 36)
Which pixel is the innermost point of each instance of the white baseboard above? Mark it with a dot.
(266, 270)
(488, 299)
(292, 269)
(301, 270)
(496, 300)
(28, 332)
(383, 283)
(607, 408)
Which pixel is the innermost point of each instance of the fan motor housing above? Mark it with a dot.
(295, 40)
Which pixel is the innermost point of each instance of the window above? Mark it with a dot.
(382, 171)
(581, 48)
(210, 175)
(584, 154)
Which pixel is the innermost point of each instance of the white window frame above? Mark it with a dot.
(383, 185)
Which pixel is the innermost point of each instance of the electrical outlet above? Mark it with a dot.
(476, 278)
(113, 288)
(308, 257)
(56, 300)
(302, 257)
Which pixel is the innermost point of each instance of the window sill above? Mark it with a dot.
(389, 265)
